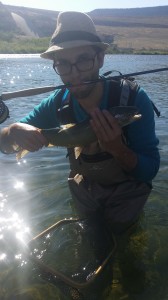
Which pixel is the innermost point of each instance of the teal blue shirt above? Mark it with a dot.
(140, 135)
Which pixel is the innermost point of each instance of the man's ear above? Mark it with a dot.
(100, 57)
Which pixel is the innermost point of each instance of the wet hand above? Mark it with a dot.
(27, 137)
(107, 130)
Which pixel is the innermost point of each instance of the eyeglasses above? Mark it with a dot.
(82, 65)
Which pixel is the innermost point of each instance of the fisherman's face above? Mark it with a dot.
(79, 65)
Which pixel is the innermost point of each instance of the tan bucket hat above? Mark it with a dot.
(74, 29)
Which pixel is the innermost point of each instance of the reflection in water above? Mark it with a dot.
(19, 185)
(14, 234)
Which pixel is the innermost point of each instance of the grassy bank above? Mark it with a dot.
(24, 45)
(38, 45)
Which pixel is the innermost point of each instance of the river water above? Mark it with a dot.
(34, 192)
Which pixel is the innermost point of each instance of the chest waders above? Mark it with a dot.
(100, 167)
(97, 182)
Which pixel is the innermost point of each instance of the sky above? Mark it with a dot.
(84, 5)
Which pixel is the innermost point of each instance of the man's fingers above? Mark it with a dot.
(33, 141)
(102, 123)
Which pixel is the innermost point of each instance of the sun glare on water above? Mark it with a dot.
(14, 233)
(19, 185)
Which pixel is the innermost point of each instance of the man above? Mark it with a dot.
(112, 177)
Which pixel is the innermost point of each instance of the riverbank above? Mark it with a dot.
(35, 46)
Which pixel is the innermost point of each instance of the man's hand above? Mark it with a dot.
(23, 135)
(110, 138)
(107, 130)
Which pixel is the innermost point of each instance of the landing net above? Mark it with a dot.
(73, 254)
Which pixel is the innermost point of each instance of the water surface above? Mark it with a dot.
(34, 192)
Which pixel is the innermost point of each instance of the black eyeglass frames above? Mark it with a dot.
(82, 65)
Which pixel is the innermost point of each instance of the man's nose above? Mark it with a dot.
(74, 69)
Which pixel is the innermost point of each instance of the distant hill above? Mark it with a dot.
(40, 22)
(157, 11)
(125, 29)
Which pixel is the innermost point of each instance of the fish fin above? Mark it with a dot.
(20, 154)
(77, 151)
(137, 117)
(66, 126)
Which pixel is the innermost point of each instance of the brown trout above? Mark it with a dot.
(82, 134)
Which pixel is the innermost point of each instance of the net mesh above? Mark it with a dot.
(73, 254)
(4, 111)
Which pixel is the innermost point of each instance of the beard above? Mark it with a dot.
(83, 91)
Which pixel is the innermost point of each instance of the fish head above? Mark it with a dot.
(125, 114)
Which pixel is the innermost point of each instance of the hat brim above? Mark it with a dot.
(49, 53)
